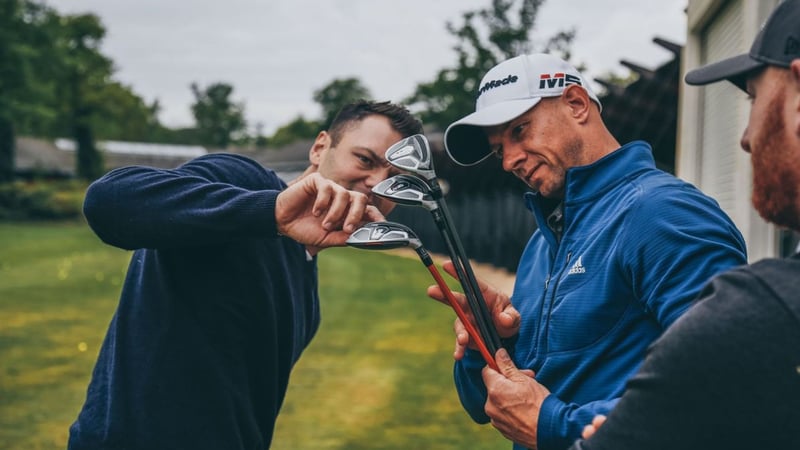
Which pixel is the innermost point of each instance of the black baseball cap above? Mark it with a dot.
(777, 44)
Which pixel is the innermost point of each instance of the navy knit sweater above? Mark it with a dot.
(215, 310)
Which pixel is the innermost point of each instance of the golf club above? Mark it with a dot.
(413, 154)
(388, 235)
(407, 189)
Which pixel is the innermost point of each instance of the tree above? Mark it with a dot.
(26, 97)
(219, 120)
(338, 93)
(123, 115)
(84, 73)
(297, 129)
(495, 37)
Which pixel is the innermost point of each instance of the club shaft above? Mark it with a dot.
(474, 334)
(491, 331)
(474, 297)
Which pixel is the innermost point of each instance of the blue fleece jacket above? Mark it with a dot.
(638, 245)
(215, 310)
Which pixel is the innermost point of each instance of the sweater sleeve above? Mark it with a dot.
(469, 385)
(211, 199)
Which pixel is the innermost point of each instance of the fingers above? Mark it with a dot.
(590, 429)
(504, 363)
(343, 209)
(450, 268)
(506, 318)
(462, 339)
(462, 335)
(435, 292)
(320, 213)
(373, 214)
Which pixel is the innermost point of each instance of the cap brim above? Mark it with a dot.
(466, 142)
(733, 69)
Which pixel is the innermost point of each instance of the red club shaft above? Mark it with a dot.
(473, 332)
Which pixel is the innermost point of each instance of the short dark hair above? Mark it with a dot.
(402, 120)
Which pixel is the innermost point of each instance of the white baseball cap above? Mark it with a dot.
(506, 92)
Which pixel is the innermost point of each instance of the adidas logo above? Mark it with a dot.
(577, 267)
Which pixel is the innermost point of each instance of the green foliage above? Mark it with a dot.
(485, 37)
(7, 150)
(41, 200)
(297, 129)
(124, 115)
(218, 118)
(55, 82)
(377, 375)
(84, 71)
(24, 94)
(336, 94)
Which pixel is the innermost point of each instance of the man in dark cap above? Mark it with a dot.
(727, 374)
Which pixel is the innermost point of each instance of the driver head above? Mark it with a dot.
(406, 189)
(412, 154)
(383, 236)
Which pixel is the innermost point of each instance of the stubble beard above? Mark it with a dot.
(573, 155)
(776, 172)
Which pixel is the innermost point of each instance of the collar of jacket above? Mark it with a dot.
(586, 183)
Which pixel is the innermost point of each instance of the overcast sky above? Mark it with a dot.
(276, 53)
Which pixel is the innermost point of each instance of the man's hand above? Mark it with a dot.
(318, 212)
(590, 429)
(514, 400)
(505, 317)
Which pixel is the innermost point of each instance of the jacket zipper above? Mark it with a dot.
(544, 345)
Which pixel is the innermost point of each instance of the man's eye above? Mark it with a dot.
(517, 131)
(364, 160)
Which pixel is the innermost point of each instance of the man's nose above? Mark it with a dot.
(377, 176)
(512, 155)
(745, 141)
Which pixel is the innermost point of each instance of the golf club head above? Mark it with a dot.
(383, 236)
(406, 189)
(412, 154)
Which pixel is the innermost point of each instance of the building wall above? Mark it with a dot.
(712, 118)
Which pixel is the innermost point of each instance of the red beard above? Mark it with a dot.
(776, 171)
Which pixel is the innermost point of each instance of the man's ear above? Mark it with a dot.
(321, 144)
(578, 101)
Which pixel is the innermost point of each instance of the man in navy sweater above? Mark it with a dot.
(621, 250)
(221, 293)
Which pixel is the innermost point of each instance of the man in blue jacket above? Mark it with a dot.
(221, 293)
(621, 250)
(727, 374)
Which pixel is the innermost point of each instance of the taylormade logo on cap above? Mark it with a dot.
(496, 83)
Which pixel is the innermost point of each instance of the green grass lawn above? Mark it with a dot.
(377, 376)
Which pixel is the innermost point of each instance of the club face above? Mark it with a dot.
(412, 154)
(383, 236)
(406, 190)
